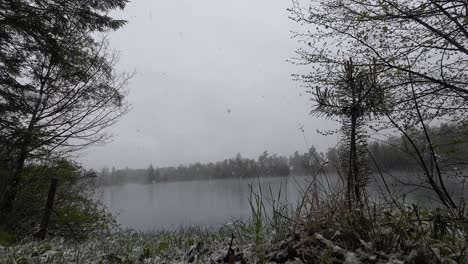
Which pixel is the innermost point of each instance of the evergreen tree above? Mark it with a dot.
(58, 87)
(354, 96)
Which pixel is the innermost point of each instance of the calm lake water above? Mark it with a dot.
(168, 205)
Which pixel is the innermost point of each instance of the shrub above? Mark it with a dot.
(76, 214)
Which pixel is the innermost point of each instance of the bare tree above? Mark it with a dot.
(430, 34)
(420, 46)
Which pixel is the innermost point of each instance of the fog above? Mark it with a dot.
(211, 80)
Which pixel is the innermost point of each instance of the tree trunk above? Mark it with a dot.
(355, 167)
(349, 185)
(48, 210)
(353, 188)
(13, 185)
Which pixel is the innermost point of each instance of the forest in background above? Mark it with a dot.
(391, 154)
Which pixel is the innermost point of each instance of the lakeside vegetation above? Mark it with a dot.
(320, 231)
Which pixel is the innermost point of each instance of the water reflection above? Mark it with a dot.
(214, 202)
(208, 203)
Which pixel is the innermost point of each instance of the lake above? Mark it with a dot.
(168, 205)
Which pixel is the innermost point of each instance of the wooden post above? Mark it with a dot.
(48, 209)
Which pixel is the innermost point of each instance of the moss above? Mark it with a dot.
(6, 238)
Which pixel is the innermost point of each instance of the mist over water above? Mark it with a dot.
(168, 205)
(212, 203)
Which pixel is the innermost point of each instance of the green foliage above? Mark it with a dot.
(406, 230)
(355, 97)
(57, 43)
(326, 257)
(75, 213)
(6, 237)
(257, 208)
(58, 87)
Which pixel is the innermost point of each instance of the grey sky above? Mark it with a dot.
(195, 60)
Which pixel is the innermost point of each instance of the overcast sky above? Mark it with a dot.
(211, 81)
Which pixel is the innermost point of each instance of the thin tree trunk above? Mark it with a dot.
(422, 163)
(350, 174)
(14, 184)
(48, 210)
(354, 165)
(434, 160)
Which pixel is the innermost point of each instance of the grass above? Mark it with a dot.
(119, 247)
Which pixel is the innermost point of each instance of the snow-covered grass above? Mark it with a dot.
(119, 247)
(394, 236)
(387, 233)
(186, 245)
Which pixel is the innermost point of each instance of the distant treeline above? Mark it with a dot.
(392, 154)
(397, 154)
(449, 142)
(264, 165)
